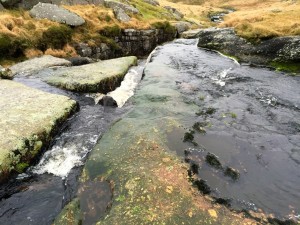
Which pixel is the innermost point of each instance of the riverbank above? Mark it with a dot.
(140, 160)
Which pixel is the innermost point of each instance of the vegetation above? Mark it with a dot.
(55, 37)
(166, 26)
(292, 67)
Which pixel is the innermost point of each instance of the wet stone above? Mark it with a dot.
(189, 137)
(232, 173)
(95, 199)
(213, 160)
(223, 201)
(199, 126)
(202, 186)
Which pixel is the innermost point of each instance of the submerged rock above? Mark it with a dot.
(103, 76)
(213, 160)
(33, 65)
(232, 173)
(202, 186)
(56, 13)
(279, 49)
(28, 119)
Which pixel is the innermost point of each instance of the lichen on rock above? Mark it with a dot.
(28, 120)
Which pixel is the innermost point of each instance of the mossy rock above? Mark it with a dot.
(28, 120)
(103, 76)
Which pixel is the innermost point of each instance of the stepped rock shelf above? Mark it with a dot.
(28, 120)
(102, 76)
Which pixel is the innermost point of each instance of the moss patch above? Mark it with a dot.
(292, 67)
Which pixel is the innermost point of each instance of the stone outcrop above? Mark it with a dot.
(32, 65)
(182, 26)
(28, 4)
(131, 42)
(121, 15)
(125, 7)
(56, 13)
(152, 2)
(28, 120)
(178, 15)
(191, 34)
(280, 49)
(103, 76)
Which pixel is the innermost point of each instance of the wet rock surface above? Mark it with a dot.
(101, 77)
(280, 49)
(55, 13)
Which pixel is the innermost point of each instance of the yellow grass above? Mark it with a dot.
(253, 19)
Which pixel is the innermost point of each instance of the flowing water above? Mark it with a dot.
(37, 196)
(250, 117)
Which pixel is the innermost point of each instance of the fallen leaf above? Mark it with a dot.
(213, 213)
(169, 189)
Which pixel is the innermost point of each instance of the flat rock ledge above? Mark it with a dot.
(225, 40)
(103, 76)
(31, 66)
(28, 121)
(56, 13)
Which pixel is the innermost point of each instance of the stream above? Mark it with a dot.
(250, 117)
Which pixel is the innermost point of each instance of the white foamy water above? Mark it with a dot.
(221, 77)
(126, 90)
(60, 160)
(128, 85)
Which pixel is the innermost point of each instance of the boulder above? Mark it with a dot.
(191, 34)
(152, 2)
(182, 26)
(56, 13)
(78, 60)
(5, 73)
(30, 66)
(121, 15)
(28, 120)
(178, 15)
(279, 49)
(127, 8)
(103, 76)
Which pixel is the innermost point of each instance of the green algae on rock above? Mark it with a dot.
(29, 118)
(103, 76)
